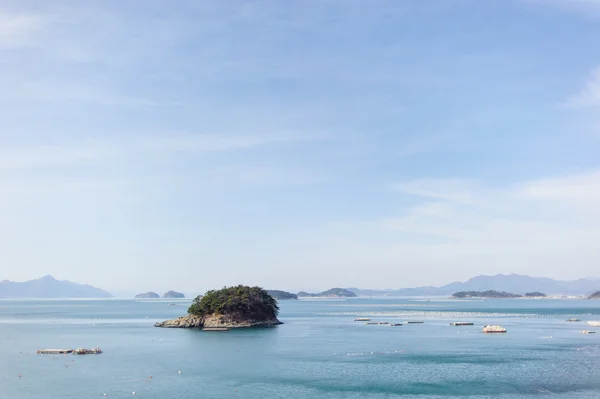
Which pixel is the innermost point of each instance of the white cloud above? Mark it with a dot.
(539, 225)
(17, 29)
(115, 148)
(224, 142)
(589, 96)
(61, 92)
(573, 190)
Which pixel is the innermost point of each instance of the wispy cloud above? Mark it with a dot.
(454, 190)
(528, 224)
(17, 29)
(144, 148)
(187, 142)
(575, 190)
(589, 96)
(68, 94)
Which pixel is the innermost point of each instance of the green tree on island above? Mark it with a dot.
(239, 302)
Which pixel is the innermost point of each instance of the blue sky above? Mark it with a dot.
(298, 145)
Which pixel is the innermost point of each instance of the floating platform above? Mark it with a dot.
(362, 319)
(370, 323)
(54, 351)
(414, 322)
(493, 329)
(396, 325)
(588, 332)
(573, 320)
(215, 329)
(461, 323)
(594, 323)
(79, 351)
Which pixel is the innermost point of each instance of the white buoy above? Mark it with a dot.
(179, 371)
(134, 392)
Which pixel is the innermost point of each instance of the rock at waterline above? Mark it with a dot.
(215, 321)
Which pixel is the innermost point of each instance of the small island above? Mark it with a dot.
(595, 295)
(147, 295)
(174, 295)
(332, 293)
(484, 294)
(282, 295)
(230, 307)
(535, 294)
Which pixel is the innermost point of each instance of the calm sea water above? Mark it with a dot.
(320, 352)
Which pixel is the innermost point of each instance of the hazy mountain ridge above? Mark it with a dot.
(515, 283)
(49, 287)
(331, 293)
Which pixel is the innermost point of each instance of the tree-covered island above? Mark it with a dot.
(230, 307)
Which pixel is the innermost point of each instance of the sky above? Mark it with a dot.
(153, 145)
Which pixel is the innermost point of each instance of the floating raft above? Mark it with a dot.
(414, 322)
(396, 325)
(573, 320)
(362, 319)
(79, 351)
(461, 323)
(54, 351)
(493, 329)
(594, 323)
(588, 332)
(215, 329)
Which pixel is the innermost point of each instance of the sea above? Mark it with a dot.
(319, 351)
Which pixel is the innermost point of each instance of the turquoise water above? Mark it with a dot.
(320, 352)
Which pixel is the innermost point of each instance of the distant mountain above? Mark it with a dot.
(515, 283)
(332, 293)
(49, 287)
(282, 295)
(147, 295)
(174, 295)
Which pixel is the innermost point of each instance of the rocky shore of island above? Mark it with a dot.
(216, 321)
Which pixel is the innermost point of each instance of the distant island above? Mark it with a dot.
(147, 295)
(174, 295)
(230, 307)
(332, 293)
(282, 295)
(535, 295)
(484, 294)
(49, 287)
(595, 295)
